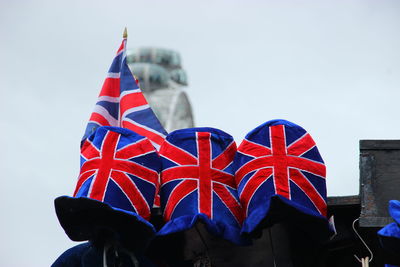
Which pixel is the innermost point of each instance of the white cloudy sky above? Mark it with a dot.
(332, 67)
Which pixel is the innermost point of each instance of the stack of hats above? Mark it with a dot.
(279, 178)
(276, 175)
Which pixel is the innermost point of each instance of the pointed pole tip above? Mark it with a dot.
(125, 35)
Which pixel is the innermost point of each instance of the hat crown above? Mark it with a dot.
(280, 159)
(197, 182)
(119, 168)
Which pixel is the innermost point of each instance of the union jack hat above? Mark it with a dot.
(197, 183)
(281, 178)
(115, 190)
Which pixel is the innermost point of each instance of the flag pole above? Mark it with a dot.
(125, 34)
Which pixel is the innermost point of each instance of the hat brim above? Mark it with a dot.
(389, 237)
(184, 223)
(278, 209)
(88, 219)
(394, 210)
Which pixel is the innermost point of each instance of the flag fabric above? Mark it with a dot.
(197, 183)
(118, 177)
(278, 165)
(121, 103)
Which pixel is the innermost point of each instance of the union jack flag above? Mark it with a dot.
(120, 168)
(121, 103)
(281, 158)
(197, 176)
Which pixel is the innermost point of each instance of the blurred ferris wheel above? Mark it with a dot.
(163, 81)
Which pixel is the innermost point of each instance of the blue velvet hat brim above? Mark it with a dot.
(88, 219)
(278, 209)
(394, 210)
(224, 231)
(389, 237)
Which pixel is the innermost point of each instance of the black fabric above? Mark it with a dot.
(79, 256)
(90, 255)
(86, 219)
(316, 228)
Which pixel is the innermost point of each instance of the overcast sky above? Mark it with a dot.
(332, 67)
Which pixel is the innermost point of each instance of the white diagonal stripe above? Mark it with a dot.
(104, 112)
(127, 92)
(109, 99)
(144, 127)
(113, 75)
(131, 110)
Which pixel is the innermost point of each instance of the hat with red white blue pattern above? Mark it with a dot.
(197, 183)
(280, 176)
(115, 190)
